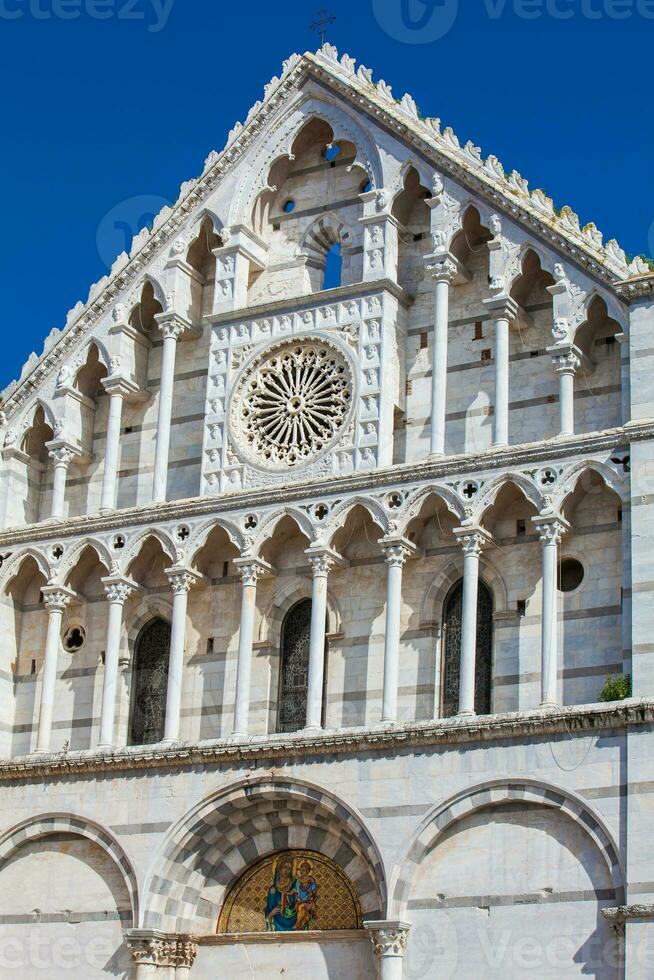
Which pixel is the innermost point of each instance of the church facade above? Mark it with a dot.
(325, 520)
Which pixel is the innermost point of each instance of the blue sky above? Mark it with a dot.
(108, 105)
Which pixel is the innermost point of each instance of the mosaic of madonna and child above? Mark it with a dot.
(292, 904)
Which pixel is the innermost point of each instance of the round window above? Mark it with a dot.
(289, 207)
(571, 574)
(292, 403)
(74, 638)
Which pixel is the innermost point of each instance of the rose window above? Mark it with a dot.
(292, 403)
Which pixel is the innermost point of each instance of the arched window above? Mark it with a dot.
(294, 668)
(333, 267)
(452, 650)
(149, 683)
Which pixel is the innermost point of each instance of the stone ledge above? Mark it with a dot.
(457, 732)
(618, 916)
(535, 453)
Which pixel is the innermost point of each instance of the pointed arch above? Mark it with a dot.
(520, 790)
(12, 567)
(72, 557)
(345, 126)
(46, 824)
(102, 349)
(198, 219)
(571, 479)
(157, 288)
(199, 537)
(424, 172)
(269, 525)
(342, 511)
(546, 261)
(417, 499)
(137, 544)
(614, 309)
(521, 482)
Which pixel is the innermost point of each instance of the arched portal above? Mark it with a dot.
(294, 668)
(452, 618)
(149, 683)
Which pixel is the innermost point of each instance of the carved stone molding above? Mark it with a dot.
(621, 914)
(456, 731)
(160, 949)
(389, 939)
(528, 455)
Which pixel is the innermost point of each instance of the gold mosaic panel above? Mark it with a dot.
(291, 891)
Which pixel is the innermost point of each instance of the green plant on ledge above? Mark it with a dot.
(617, 688)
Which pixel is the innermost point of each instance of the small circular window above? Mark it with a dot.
(289, 207)
(571, 574)
(74, 638)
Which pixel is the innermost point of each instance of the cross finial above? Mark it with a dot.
(322, 23)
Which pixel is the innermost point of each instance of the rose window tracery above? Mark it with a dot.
(292, 403)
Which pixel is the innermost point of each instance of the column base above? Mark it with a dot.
(313, 729)
(105, 747)
(169, 741)
(107, 510)
(500, 445)
(238, 737)
(466, 714)
(550, 706)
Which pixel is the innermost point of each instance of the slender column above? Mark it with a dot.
(171, 330)
(112, 450)
(550, 530)
(472, 541)
(55, 598)
(61, 458)
(118, 591)
(567, 364)
(389, 940)
(396, 551)
(181, 580)
(504, 311)
(443, 273)
(250, 572)
(322, 561)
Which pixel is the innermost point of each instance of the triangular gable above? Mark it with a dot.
(464, 164)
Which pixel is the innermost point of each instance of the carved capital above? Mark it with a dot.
(182, 579)
(322, 560)
(119, 589)
(57, 597)
(443, 269)
(568, 361)
(389, 939)
(551, 528)
(397, 551)
(252, 569)
(173, 325)
(62, 456)
(473, 540)
(158, 949)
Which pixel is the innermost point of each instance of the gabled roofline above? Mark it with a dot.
(487, 178)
